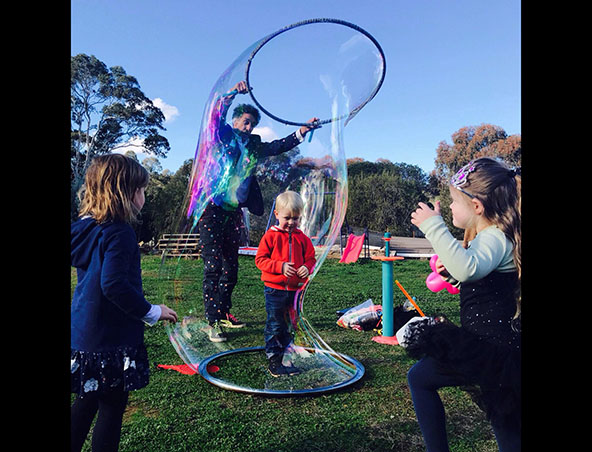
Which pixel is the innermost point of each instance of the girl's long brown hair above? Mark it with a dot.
(109, 187)
(499, 189)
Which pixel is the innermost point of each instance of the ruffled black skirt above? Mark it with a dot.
(490, 373)
(124, 369)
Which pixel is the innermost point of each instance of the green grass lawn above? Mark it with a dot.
(177, 412)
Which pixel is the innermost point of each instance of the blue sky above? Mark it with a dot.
(450, 63)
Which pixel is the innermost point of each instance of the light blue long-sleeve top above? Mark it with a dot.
(490, 250)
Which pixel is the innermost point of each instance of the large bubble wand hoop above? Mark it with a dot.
(348, 115)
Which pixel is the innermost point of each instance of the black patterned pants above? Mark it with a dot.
(219, 234)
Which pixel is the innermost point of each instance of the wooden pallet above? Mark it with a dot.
(179, 245)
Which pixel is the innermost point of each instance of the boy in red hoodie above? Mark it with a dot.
(286, 256)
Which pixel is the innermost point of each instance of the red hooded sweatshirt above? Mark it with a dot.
(277, 247)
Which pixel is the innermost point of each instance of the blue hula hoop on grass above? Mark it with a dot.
(203, 371)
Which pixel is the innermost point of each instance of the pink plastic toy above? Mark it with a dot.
(435, 282)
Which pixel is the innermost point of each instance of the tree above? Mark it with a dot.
(383, 194)
(109, 111)
(469, 143)
(152, 165)
(165, 194)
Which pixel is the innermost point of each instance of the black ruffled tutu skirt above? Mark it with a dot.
(124, 369)
(490, 373)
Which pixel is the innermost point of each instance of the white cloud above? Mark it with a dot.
(135, 144)
(266, 133)
(170, 112)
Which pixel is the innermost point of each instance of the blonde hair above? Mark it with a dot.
(499, 189)
(289, 200)
(109, 187)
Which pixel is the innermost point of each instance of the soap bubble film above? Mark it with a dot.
(321, 68)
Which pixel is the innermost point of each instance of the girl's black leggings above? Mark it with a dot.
(107, 431)
(424, 380)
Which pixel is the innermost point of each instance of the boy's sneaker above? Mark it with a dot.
(231, 322)
(215, 333)
(292, 370)
(277, 369)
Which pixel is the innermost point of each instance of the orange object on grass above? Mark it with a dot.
(409, 298)
(387, 258)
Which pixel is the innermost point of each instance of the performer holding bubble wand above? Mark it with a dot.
(235, 187)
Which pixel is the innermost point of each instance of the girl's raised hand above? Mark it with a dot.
(424, 212)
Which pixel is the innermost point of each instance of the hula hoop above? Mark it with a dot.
(203, 371)
(308, 22)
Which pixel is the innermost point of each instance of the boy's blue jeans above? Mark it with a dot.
(276, 333)
(424, 380)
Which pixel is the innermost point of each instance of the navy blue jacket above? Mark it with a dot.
(253, 199)
(249, 191)
(108, 301)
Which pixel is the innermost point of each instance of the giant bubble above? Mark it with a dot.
(320, 68)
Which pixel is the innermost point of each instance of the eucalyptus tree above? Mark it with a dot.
(109, 111)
